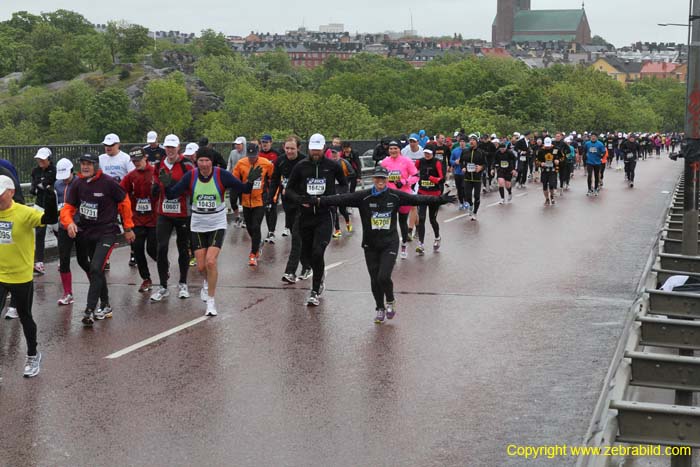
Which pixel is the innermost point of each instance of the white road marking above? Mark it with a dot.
(461, 216)
(609, 323)
(334, 265)
(455, 218)
(156, 338)
(665, 192)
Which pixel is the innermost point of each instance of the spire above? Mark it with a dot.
(583, 4)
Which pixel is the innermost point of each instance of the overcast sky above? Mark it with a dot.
(618, 21)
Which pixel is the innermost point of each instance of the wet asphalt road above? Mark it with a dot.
(503, 337)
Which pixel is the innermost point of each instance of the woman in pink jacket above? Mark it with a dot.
(402, 176)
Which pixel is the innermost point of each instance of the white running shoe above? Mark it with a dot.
(510, 197)
(11, 313)
(182, 291)
(204, 294)
(211, 308)
(160, 294)
(286, 233)
(502, 201)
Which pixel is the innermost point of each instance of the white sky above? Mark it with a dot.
(618, 21)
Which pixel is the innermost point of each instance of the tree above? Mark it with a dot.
(109, 112)
(132, 41)
(212, 44)
(69, 22)
(167, 107)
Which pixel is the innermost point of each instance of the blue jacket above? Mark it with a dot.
(594, 152)
(454, 161)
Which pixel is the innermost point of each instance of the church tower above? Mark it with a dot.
(502, 29)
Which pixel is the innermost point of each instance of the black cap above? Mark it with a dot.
(203, 141)
(380, 171)
(206, 153)
(252, 149)
(336, 149)
(393, 142)
(136, 153)
(94, 158)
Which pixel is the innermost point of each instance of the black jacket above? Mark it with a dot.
(41, 178)
(472, 156)
(314, 178)
(630, 150)
(282, 171)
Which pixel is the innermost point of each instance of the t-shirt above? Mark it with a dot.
(116, 166)
(414, 156)
(17, 225)
(96, 202)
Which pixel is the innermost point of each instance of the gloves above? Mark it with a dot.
(165, 178)
(435, 180)
(447, 198)
(398, 184)
(254, 174)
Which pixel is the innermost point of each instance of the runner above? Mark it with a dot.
(403, 174)
(562, 152)
(349, 176)
(431, 180)
(236, 154)
(315, 176)
(43, 175)
(473, 162)
(97, 198)
(594, 156)
(505, 163)
(378, 209)
(65, 180)
(154, 151)
(206, 187)
(254, 201)
(266, 152)
(523, 150)
(457, 172)
(172, 214)
(548, 161)
(630, 151)
(17, 224)
(138, 186)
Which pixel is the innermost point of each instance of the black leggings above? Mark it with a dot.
(433, 208)
(40, 244)
(472, 193)
(593, 170)
(292, 214)
(146, 242)
(403, 225)
(65, 247)
(92, 256)
(22, 299)
(564, 173)
(315, 234)
(459, 184)
(380, 262)
(271, 217)
(253, 219)
(630, 167)
(164, 228)
(336, 218)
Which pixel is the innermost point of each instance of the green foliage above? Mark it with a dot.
(212, 44)
(166, 106)
(109, 112)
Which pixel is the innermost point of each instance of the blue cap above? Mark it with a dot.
(414, 137)
(266, 137)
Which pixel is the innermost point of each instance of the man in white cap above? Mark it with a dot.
(191, 152)
(237, 153)
(43, 175)
(17, 223)
(64, 183)
(154, 151)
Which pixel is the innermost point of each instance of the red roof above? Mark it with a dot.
(495, 52)
(658, 68)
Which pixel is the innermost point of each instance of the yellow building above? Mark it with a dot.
(623, 71)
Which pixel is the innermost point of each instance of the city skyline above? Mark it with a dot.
(367, 17)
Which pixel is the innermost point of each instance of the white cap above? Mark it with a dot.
(574, 133)
(191, 149)
(496, 141)
(567, 139)
(111, 139)
(239, 140)
(6, 183)
(64, 167)
(516, 134)
(317, 141)
(548, 141)
(43, 153)
(427, 151)
(151, 137)
(171, 141)
(493, 136)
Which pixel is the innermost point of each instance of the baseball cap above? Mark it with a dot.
(381, 172)
(516, 134)
(43, 153)
(413, 137)
(251, 150)
(266, 137)
(111, 139)
(427, 151)
(171, 141)
(191, 149)
(136, 153)
(151, 137)
(203, 141)
(548, 141)
(239, 140)
(6, 183)
(64, 167)
(336, 149)
(496, 141)
(317, 141)
(473, 136)
(94, 158)
(394, 143)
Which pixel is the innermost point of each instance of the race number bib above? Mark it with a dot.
(593, 150)
(257, 184)
(426, 184)
(143, 205)
(381, 220)
(630, 155)
(610, 146)
(394, 176)
(284, 182)
(205, 202)
(5, 233)
(471, 168)
(171, 206)
(504, 164)
(315, 186)
(549, 164)
(523, 158)
(88, 210)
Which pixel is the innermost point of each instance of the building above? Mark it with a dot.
(516, 22)
(659, 70)
(333, 28)
(624, 71)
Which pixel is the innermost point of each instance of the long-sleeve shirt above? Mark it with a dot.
(401, 169)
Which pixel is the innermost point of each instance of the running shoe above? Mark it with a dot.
(39, 269)
(160, 294)
(460, 207)
(242, 226)
(88, 318)
(270, 237)
(132, 261)
(193, 262)
(67, 299)
(211, 308)
(553, 201)
(631, 184)
(474, 216)
(32, 365)
(589, 193)
(204, 293)
(467, 206)
(436, 244)
(289, 278)
(305, 274)
(420, 249)
(348, 226)
(237, 222)
(381, 313)
(103, 312)
(546, 202)
(390, 310)
(146, 286)
(404, 251)
(510, 197)
(11, 313)
(337, 234)
(313, 299)
(596, 192)
(252, 260)
(182, 291)
(502, 201)
(410, 235)
(286, 233)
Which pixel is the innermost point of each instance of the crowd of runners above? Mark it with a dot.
(145, 194)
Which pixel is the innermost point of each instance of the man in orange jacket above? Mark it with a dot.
(255, 202)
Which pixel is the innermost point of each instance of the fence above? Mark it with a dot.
(22, 157)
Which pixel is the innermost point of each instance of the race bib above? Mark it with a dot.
(5, 233)
(284, 182)
(394, 176)
(143, 205)
(630, 155)
(171, 206)
(549, 164)
(593, 150)
(257, 184)
(471, 168)
(504, 164)
(523, 158)
(426, 184)
(88, 210)
(381, 220)
(205, 202)
(315, 186)
(610, 146)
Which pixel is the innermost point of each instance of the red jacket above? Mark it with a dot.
(138, 185)
(178, 171)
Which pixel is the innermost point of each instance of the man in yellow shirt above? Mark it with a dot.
(17, 223)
